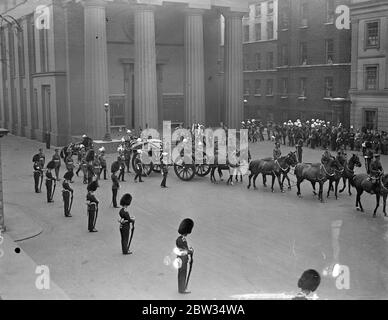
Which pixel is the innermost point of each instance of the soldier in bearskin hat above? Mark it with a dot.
(66, 192)
(184, 254)
(38, 175)
(126, 221)
(50, 181)
(308, 283)
(92, 203)
(115, 182)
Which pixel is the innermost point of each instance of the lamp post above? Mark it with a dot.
(3, 132)
(107, 136)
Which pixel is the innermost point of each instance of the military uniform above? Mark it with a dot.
(96, 167)
(126, 221)
(276, 153)
(376, 168)
(164, 168)
(69, 164)
(115, 188)
(57, 160)
(92, 204)
(368, 159)
(50, 181)
(38, 175)
(121, 161)
(326, 157)
(103, 163)
(299, 150)
(67, 193)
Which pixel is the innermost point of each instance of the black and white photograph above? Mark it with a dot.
(211, 153)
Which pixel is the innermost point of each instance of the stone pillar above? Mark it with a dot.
(233, 87)
(146, 106)
(354, 59)
(96, 68)
(194, 68)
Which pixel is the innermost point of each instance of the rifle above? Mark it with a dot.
(190, 268)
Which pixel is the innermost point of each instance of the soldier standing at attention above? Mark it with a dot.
(66, 192)
(102, 161)
(39, 157)
(115, 186)
(38, 174)
(50, 180)
(125, 223)
(184, 253)
(139, 169)
(57, 160)
(92, 203)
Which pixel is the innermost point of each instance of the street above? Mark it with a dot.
(245, 241)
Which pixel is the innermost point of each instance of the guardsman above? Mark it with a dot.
(57, 161)
(126, 222)
(101, 157)
(50, 181)
(121, 161)
(299, 150)
(184, 254)
(138, 169)
(164, 169)
(127, 156)
(92, 203)
(87, 142)
(40, 157)
(89, 165)
(67, 193)
(115, 183)
(277, 153)
(308, 283)
(368, 159)
(38, 175)
(376, 169)
(96, 167)
(70, 164)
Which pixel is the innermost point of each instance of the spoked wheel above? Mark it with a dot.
(202, 170)
(185, 172)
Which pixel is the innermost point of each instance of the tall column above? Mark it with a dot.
(354, 53)
(233, 87)
(146, 105)
(194, 69)
(96, 67)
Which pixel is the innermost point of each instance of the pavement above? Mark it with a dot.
(248, 243)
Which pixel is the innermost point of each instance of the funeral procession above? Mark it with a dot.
(207, 150)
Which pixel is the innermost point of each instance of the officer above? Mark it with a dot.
(57, 161)
(115, 183)
(89, 165)
(376, 169)
(96, 167)
(368, 158)
(121, 161)
(126, 221)
(139, 169)
(164, 169)
(38, 175)
(277, 152)
(299, 150)
(67, 191)
(39, 157)
(92, 203)
(308, 283)
(326, 156)
(50, 181)
(127, 156)
(184, 254)
(102, 161)
(70, 165)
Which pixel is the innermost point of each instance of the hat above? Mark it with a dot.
(51, 165)
(309, 280)
(101, 149)
(122, 139)
(125, 200)
(138, 140)
(186, 226)
(68, 175)
(92, 186)
(81, 146)
(129, 131)
(84, 136)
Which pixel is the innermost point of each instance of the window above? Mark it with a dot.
(258, 10)
(269, 89)
(270, 7)
(372, 34)
(302, 87)
(43, 43)
(304, 14)
(31, 44)
(370, 119)
(246, 33)
(270, 29)
(303, 53)
(257, 87)
(117, 104)
(284, 17)
(284, 86)
(371, 77)
(329, 44)
(258, 31)
(270, 60)
(20, 37)
(246, 88)
(284, 55)
(328, 87)
(258, 61)
(330, 11)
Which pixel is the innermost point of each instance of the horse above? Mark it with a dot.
(348, 173)
(285, 172)
(376, 185)
(338, 174)
(315, 172)
(274, 168)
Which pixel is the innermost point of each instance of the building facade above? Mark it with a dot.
(369, 81)
(151, 60)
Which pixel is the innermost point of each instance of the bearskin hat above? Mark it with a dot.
(93, 186)
(125, 200)
(90, 155)
(186, 226)
(115, 167)
(68, 175)
(309, 280)
(51, 165)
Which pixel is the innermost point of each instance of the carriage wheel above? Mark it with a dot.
(185, 172)
(202, 170)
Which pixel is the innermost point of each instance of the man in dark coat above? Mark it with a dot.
(92, 203)
(67, 192)
(126, 221)
(50, 181)
(115, 185)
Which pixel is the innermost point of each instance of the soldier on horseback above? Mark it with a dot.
(376, 169)
(326, 156)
